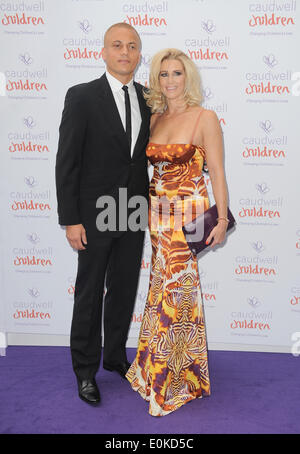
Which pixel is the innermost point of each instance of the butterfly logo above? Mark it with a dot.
(253, 301)
(270, 60)
(262, 188)
(208, 26)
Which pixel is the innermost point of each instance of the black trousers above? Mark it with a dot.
(114, 263)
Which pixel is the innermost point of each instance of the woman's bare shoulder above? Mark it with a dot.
(210, 120)
(209, 115)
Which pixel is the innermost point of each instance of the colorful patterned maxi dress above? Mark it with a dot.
(171, 366)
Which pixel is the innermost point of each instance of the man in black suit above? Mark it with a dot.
(103, 136)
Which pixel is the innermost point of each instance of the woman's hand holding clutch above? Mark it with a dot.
(218, 233)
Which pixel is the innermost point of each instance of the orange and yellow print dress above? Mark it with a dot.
(171, 366)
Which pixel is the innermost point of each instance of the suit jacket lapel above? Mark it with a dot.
(111, 112)
(108, 104)
(145, 119)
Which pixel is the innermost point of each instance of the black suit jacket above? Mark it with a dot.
(93, 157)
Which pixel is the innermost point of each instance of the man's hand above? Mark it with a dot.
(76, 235)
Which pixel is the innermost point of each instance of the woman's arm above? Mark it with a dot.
(213, 145)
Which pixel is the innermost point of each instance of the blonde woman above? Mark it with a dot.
(171, 365)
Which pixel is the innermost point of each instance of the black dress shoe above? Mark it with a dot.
(121, 368)
(88, 391)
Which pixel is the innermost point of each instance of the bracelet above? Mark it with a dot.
(224, 219)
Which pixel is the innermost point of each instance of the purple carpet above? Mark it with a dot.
(252, 393)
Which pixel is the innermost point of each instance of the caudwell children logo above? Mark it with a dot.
(32, 307)
(32, 257)
(30, 142)
(26, 81)
(210, 49)
(147, 17)
(30, 201)
(83, 47)
(264, 146)
(256, 266)
(260, 208)
(22, 16)
(272, 81)
(274, 17)
(251, 321)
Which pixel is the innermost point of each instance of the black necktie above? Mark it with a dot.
(128, 114)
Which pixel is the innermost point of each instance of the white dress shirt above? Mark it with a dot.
(119, 95)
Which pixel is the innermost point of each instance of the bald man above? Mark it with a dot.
(101, 154)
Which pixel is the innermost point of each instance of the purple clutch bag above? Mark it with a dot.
(197, 231)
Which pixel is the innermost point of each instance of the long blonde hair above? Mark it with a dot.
(193, 90)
